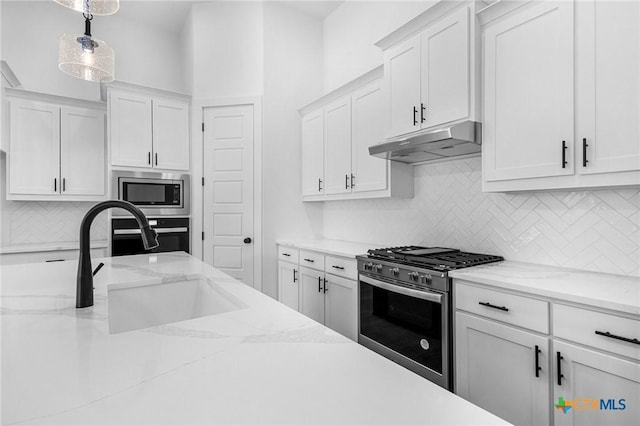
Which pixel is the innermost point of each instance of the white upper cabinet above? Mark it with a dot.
(56, 151)
(34, 148)
(82, 153)
(337, 147)
(367, 127)
(313, 153)
(608, 86)
(562, 97)
(529, 94)
(337, 131)
(148, 132)
(428, 77)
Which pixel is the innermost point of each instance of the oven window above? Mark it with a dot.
(153, 194)
(409, 326)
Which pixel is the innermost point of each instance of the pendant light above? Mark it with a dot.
(93, 7)
(82, 56)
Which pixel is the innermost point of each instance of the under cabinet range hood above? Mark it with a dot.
(457, 139)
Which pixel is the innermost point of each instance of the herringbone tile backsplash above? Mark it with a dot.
(592, 230)
(47, 222)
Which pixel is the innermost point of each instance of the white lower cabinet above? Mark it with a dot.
(288, 289)
(514, 362)
(497, 369)
(318, 293)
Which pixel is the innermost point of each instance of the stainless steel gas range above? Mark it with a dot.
(405, 306)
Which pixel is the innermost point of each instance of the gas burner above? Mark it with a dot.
(437, 258)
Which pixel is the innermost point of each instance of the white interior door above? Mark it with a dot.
(228, 190)
(82, 151)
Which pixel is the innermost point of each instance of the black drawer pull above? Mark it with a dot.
(538, 368)
(489, 305)
(54, 260)
(559, 359)
(310, 260)
(286, 254)
(613, 336)
(337, 267)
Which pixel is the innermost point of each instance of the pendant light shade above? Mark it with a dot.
(86, 58)
(95, 7)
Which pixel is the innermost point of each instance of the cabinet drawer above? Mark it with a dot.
(516, 310)
(581, 325)
(312, 259)
(341, 266)
(288, 254)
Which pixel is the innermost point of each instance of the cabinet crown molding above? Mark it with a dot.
(140, 89)
(54, 99)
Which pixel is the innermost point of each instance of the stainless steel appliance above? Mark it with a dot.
(126, 238)
(156, 194)
(405, 306)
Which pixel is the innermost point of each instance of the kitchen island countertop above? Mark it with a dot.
(258, 363)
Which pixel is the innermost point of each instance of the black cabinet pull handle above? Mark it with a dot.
(538, 368)
(325, 285)
(319, 184)
(422, 110)
(489, 305)
(613, 336)
(294, 276)
(286, 254)
(64, 184)
(156, 158)
(55, 184)
(346, 181)
(352, 178)
(584, 152)
(415, 118)
(310, 260)
(564, 154)
(337, 267)
(149, 157)
(319, 285)
(559, 358)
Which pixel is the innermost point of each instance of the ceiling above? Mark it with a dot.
(171, 14)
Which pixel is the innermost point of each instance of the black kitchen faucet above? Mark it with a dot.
(84, 285)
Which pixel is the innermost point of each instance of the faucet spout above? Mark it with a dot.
(84, 283)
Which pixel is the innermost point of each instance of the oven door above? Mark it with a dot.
(126, 239)
(408, 326)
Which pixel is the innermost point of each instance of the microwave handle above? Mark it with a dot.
(158, 231)
(424, 295)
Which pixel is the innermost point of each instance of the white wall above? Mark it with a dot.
(292, 78)
(351, 31)
(30, 34)
(227, 41)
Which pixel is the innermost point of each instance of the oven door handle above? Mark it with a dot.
(158, 231)
(424, 295)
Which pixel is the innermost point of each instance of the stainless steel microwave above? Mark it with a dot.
(156, 194)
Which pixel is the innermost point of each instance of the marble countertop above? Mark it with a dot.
(608, 291)
(257, 363)
(334, 247)
(32, 248)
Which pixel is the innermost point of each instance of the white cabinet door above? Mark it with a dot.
(608, 86)
(367, 122)
(528, 93)
(402, 86)
(170, 134)
(446, 70)
(337, 147)
(594, 375)
(313, 153)
(496, 370)
(288, 284)
(341, 308)
(82, 151)
(34, 148)
(130, 129)
(312, 294)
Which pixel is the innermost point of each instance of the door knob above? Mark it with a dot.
(247, 240)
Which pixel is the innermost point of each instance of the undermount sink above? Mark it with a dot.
(136, 306)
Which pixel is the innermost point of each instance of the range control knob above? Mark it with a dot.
(368, 266)
(414, 276)
(377, 268)
(426, 279)
(395, 271)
